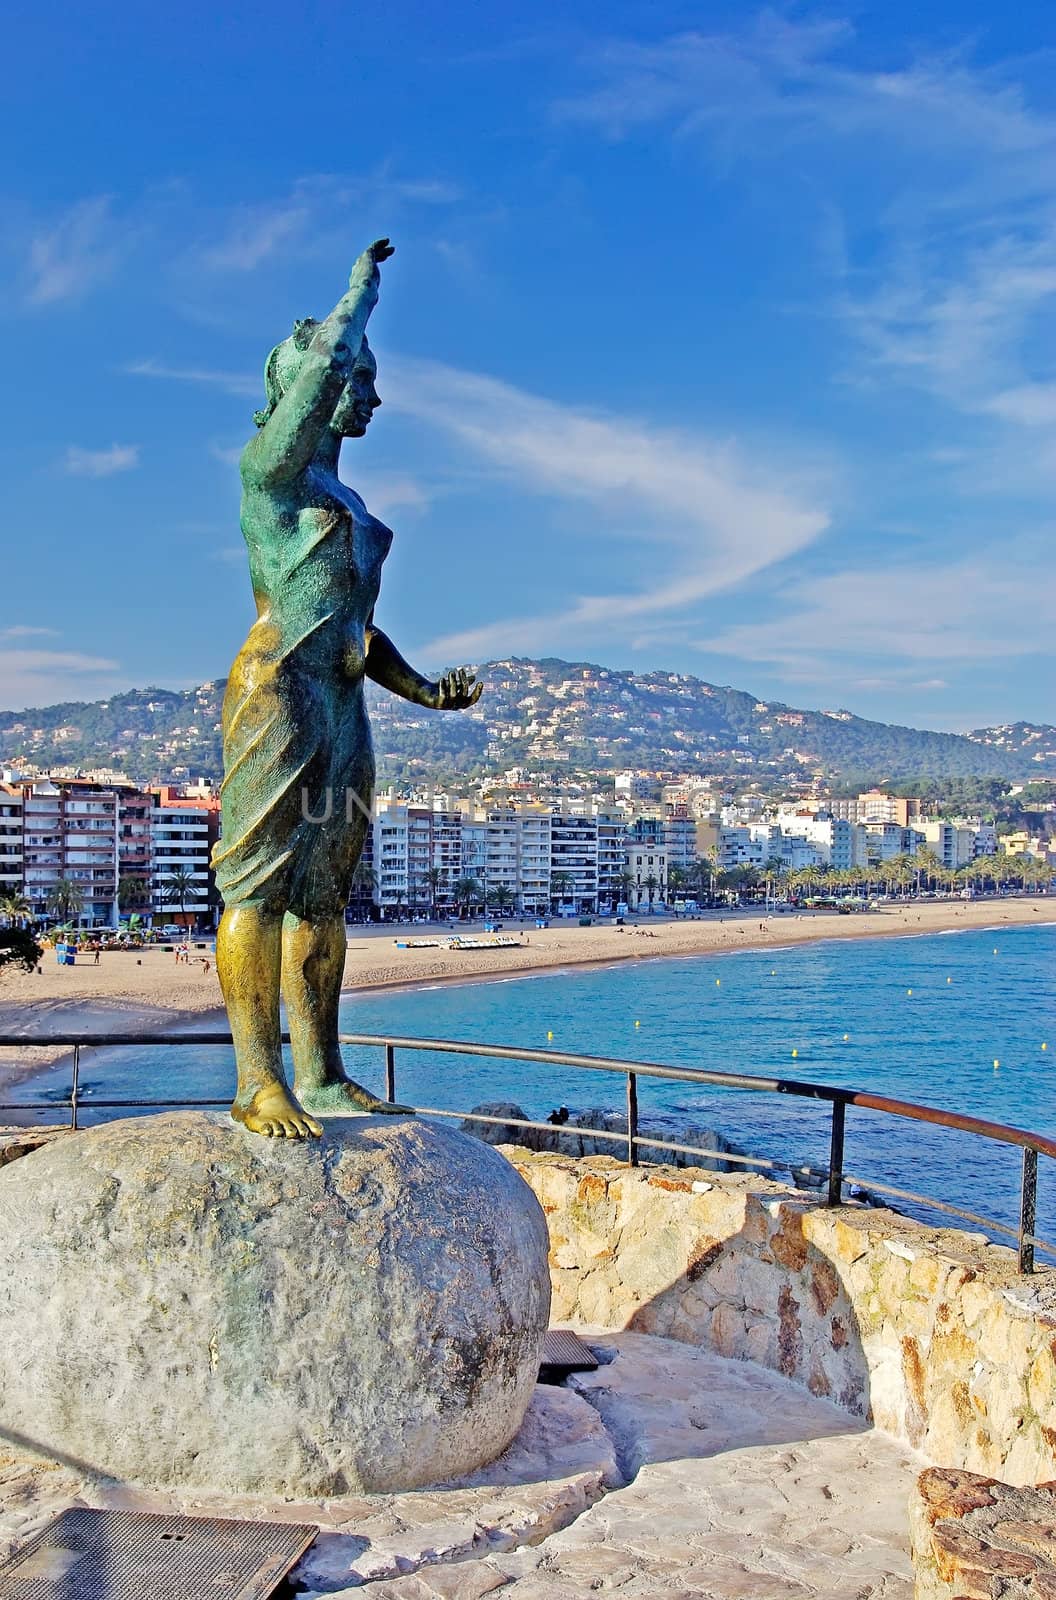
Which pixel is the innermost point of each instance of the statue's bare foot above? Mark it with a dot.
(274, 1113)
(344, 1097)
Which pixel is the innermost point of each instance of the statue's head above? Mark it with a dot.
(358, 400)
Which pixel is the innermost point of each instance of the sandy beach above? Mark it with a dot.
(147, 990)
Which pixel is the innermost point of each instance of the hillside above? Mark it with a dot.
(545, 715)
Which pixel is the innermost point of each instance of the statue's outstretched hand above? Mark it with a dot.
(456, 690)
(366, 269)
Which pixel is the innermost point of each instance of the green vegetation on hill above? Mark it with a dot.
(556, 716)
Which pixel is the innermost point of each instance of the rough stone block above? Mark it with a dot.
(186, 1303)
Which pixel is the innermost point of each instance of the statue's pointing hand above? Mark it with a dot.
(456, 690)
(366, 269)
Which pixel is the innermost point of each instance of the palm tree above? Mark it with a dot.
(132, 892)
(676, 881)
(624, 885)
(467, 892)
(364, 883)
(65, 899)
(435, 880)
(560, 884)
(927, 865)
(501, 897)
(652, 883)
(14, 908)
(179, 887)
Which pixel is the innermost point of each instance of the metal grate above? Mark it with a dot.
(131, 1555)
(563, 1352)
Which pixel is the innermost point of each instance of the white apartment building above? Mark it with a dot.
(447, 854)
(502, 872)
(11, 861)
(885, 840)
(647, 865)
(792, 851)
(612, 860)
(180, 839)
(475, 850)
(842, 843)
(680, 842)
(638, 788)
(737, 848)
(574, 855)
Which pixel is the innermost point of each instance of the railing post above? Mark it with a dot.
(75, 1087)
(839, 1113)
(632, 1119)
(1028, 1209)
(390, 1072)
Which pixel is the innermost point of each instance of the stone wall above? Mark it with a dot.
(930, 1333)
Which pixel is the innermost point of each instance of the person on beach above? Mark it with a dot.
(298, 764)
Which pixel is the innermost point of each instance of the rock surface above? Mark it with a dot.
(670, 1473)
(974, 1538)
(185, 1304)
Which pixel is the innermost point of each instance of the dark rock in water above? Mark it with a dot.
(573, 1138)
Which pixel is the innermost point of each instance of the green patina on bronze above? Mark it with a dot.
(298, 763)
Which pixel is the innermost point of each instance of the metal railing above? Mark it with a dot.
(839, 1099)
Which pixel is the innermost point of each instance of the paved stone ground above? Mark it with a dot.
(669, 1472)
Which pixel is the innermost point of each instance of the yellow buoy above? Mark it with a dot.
(846, 1037)
(637, 1024)
(1044, 1047)
(995, 949)
(773, 972)
(549, 1033)
(949, 980)
(996, 1063)
(717, 982)
(795, 1052)
(909, 991)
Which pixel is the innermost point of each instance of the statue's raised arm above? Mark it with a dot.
(299, 411)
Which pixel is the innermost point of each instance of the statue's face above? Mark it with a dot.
(359, 399)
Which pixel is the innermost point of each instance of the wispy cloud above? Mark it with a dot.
(934, 183)
(41, 677)
(254, 234)
(76, 252)
(704, 514)
(21, 630)
(240, 383)
(986, 607)
(387, 492)
(100, 463)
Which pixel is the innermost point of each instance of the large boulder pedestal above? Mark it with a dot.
(183, 1303)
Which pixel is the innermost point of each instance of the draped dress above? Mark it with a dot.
(298, 761)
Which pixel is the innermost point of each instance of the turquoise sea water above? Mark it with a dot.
(976, 997)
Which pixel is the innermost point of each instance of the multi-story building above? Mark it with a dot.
(447, 856)
(876, 806)
(841, 843)
(680, 841)
(612, 860)
(182, 832)
(134, 851)
(647, 866)
(535, 847)
(885, 840)
(11, 862)
(390, 856)
(574, 860)
(638, 788)
(71, 836)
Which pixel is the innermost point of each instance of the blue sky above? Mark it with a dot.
(717, 339)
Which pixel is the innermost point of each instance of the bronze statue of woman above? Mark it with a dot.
(298, 763)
